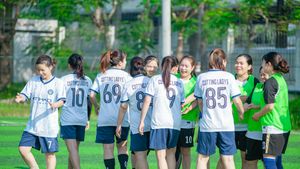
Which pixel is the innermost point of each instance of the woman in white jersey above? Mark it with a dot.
(214, 91)
(133, 97)
(46, 94)
(151, 64)
(167, 93)
(109, 84)
(74, 115)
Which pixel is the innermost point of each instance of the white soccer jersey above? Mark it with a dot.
(134, 93)
(110, 85)
(74, 111)
(166, 103)
(43, 120)
(216, 88)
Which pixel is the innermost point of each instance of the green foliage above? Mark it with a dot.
(295, 113)
(11, 90)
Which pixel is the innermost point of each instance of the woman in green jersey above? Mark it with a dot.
(246, 82)
(275, 115)
(189, 110)
(254, 132)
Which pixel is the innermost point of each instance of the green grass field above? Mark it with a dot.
(13, 119)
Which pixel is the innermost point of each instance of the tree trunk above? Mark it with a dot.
(202, 43)
(281, 26)
(7, 30)
(180, 45)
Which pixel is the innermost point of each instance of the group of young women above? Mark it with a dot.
(161, 110)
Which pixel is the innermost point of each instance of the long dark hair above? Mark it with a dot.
(216, 58)
(192, 61)
(136, 66)
(111, 58)
(76, 63)
(277, 61)
(248, 60)
(46, 60)
(167, 64)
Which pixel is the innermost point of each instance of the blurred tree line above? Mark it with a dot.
(197, 23)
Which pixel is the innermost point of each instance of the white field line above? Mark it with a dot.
(11, 123)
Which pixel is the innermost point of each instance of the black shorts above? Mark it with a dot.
(186, 138)
(253, 149)
(275, 144)
(240, 140)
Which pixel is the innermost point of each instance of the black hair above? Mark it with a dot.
(167, 64)
(248, 60)
(277, 61)
(76, 63)
(136, 66)
(151, 58)
(192, 61)
(46, 60)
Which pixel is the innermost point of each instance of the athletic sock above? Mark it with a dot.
(270, 163)
(279, 162)
(123, 159)
(109, 163)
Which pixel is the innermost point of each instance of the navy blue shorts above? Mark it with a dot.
(72, 132)
(207, 142)
(106, 134)
(163, 138)
(139, 142)
(47, 144)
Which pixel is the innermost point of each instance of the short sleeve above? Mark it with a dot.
(90, 83)
(96, 86)
(150, 87)
(234, 88)
(61, 91)
(270, 90)
(198, 91)
(26, 92)
(124, 97)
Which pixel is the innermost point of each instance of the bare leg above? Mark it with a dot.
(243, 157)
(73, 146)
(141, 159)
(228, 162)
(251, 164)
(161, 159)
(28, 157)
(133, 160)
(202, 161)
(50, 160)
(108, 151)
(170, 156)
(220, 164)
(186, 157)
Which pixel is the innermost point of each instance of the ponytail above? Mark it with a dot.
(111, 58)
(167, 64)
(136, 66)
(76, 63)
(277, 61)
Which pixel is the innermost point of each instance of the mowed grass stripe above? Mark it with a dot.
(91, 153)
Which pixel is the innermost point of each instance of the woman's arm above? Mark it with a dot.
(94, 102)
(266, 109)
(147, 101)
(122, 111)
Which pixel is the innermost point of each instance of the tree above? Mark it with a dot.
(9, 12)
